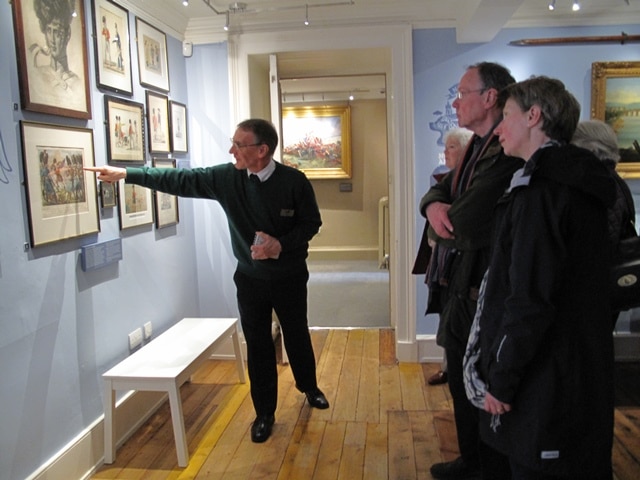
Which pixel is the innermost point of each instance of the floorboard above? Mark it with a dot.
(385, 422)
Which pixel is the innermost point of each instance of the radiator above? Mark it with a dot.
(383, 233)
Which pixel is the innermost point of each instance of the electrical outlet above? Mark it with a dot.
(148, 330)
(135, 339)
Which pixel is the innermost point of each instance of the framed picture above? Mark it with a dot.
(52, 69)
(152, 56)
(166, 205)
(61, 197)
(125, 130)
(158, 122)
(107, 195)
(615, 96)
(179, 132)
(317, 140)
(112, 51)
(135, 207)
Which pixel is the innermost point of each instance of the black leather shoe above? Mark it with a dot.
(261, 428)
(317, 399)
(458, 469)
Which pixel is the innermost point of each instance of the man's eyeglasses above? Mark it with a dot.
(240, 145)
(462, 93)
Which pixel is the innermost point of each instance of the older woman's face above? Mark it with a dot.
(514, 130)
(453, 152)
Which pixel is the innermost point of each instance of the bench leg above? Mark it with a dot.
(178, 426)
(239, 357)
(109, 421)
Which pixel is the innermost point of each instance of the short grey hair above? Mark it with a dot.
(599, 138)
(461, 135)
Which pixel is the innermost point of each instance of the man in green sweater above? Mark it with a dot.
(272, 214)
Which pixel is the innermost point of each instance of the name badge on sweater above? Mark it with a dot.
(549, 454)
(286, 212)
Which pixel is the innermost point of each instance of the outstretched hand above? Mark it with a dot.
(108, 173)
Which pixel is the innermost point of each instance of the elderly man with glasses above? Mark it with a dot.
(459, 211)
(272, 214)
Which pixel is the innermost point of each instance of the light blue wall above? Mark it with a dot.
(61, 328)
(439, 63)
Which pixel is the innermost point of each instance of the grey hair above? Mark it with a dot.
(461, 135)
(599, 138)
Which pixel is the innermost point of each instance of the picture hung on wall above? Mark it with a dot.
(125, 130)
(317, 140)
(179, 132)
(107, 195)
(62, 201)
(135, 205)
(158, 122)
(166, 205)
(112, 50)
(152, 56)
(615, 99)
(52, 57)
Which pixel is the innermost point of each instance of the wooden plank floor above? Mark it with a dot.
(384, 422)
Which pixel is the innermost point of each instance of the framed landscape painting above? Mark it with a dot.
(317, 140)
(62, 200)
(152, 56)
(125, 130)
(51, 49)
(112, 50)
(166, 205)
(615, 99)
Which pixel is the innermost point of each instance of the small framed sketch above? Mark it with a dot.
(166, 204)
(52, 57)
(179, 133)
(158, 122)
(135, 207)
(125, 130)
(112, 51)
(152, 56)
(107, 195)
(62, 201)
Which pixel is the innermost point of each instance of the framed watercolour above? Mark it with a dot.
(135, 207)
(52, 69)
(317, 140)
(152, 56)
(107, 195)
(61, 197)
(178, 125)
(615, 99)
(125, 130)
(112, 51)
(166, 205)
(158, 122)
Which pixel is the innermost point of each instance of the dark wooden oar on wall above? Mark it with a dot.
(536, 42)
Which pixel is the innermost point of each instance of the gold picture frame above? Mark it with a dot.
(317, 140)
(609, 81)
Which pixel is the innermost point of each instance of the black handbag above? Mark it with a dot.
(625, 275)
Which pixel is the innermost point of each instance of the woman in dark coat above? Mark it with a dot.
(546, 350)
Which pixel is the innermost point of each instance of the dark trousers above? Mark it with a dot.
(288, 298)
(520, 472)
(465, 414)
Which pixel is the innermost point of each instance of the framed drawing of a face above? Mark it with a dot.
(52, 57)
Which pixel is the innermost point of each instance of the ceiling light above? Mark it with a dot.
(226, 23)
(552, 5)
(185, 3)
(306, 15)
(576, 6)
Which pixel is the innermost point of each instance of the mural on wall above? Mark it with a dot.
(446, 118)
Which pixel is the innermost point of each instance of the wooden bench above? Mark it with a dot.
(163, 365)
